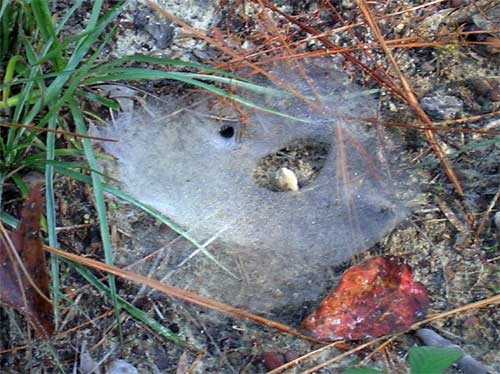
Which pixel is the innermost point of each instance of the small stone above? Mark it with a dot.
(140, 20)
(496, 218)
(441, 106)
(122, 367)
(247, 45)
(456, 3)
(486, 87)
(272, 360)
(287, 180)
(493, 46)
(162, 33)
(487, 20)
(291, 355)
(495, 94)
(348, 4)
(427, 66)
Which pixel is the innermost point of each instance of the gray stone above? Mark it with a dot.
(440, 106)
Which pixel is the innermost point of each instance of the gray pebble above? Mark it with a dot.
(162, 33)
(441, 106)
(140, 19)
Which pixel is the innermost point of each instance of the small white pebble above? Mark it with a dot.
(287, 180)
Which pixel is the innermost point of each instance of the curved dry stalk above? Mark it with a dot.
(479, 304)
(459, 121)
(420, 126)
(178, 293)
(342, 356)
(412, 100)
(61, 132)
(326, 34)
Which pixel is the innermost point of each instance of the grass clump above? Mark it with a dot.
(48, 73)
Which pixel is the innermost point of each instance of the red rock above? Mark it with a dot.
(375, 298)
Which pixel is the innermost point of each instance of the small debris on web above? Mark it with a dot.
(194, 159)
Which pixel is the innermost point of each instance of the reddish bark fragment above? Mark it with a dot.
(28, 244)
(375, 298)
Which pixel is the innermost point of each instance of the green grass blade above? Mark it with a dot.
(50, 206)
(8, 219)
(99, 200)
(36, 79)
(161, 61)
(131, 309)
(46, 26)
(9, 74)
(74, 83)
(153, 212)
(68, 15)
(238, 83)
(131, 74)
(99, 99)
(27, 90)
(84, 45)
(94, 16)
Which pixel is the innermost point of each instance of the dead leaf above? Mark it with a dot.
(16, 289)
(375, 298)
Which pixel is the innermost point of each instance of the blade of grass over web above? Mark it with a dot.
(154, 213)
(132, 74)
(99, 99)
(99, 201)
(144, 74)
(163, 61)
(132, 310)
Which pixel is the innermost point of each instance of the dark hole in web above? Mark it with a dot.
(227, 131)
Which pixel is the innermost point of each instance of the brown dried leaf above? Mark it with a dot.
(16, 289)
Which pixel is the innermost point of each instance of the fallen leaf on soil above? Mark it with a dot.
(375, 298)
(16, 290)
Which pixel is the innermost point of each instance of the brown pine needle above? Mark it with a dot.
(62, 132)
(178, 293)
(412, 100)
